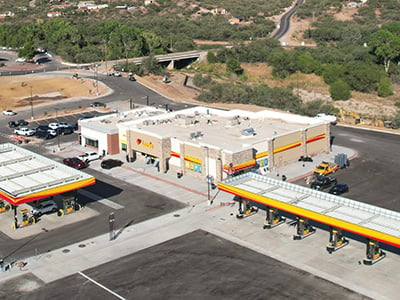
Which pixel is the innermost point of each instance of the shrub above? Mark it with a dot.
(340, 90)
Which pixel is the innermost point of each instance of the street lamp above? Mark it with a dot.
(58, 135)
(209, 202)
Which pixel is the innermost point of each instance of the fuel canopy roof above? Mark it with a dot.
(26, 176)
(363, 219)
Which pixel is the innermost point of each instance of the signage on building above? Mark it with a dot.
(144, 143)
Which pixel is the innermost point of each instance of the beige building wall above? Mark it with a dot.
(287, 149)
(316, 145)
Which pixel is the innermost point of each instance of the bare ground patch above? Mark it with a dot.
(17, 91)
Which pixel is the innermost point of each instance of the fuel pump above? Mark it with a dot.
(273, 218)
(336, 240)
(374, 253)
(303, 229)
(245, 209)
(4, 207)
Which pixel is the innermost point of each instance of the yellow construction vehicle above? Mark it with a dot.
(349, 117)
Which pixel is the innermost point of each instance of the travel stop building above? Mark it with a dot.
(207, 143)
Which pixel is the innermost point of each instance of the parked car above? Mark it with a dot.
(75, 162)
(53, 125)
(97, 104)
(339, 189)
(63, 124)
(25, 131)
(12, 124)
(44, 207)
(117, 74)
(322, 182)
(111, 163)
(89, 156)
(44, 134)
(44, 131)
(22, 122)
(9, 112)
(64, 130)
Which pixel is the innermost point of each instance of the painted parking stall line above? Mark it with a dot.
(102, 286)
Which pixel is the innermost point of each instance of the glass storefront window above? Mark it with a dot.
(93, 143)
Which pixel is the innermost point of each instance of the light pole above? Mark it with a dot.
(208, 176)
(31, 103)
(58, 135)
(96, 78)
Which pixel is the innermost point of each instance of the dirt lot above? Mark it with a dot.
(17, 91)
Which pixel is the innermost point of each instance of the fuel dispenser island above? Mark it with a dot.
(245, 208)
(303, 228)
(69, 206)
(4, 207)
(273, 218)
(374, 253)
(27, 219)
(336, 240)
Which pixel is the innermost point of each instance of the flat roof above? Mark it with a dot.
(26, 176)
(339, 212)
(231, 130)
(108, 123)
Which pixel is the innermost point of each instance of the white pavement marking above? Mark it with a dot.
(102, 286)
(100, 199)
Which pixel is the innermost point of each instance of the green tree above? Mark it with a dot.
(384, 87)
(340, 90)
(386, 46)
(332, 72)
(233, 65)
(306, 63)
(283, 62)
(28, 50)
(211, 57)
(150, 66)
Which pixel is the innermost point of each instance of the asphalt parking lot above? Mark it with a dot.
(8, 133)
(198, 265)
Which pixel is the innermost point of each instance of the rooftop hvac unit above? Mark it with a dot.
(192, 135)
(180, 116)
(248, 132)
(146, 122)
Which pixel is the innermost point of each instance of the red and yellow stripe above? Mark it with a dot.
(241, 166)
(316, 138)
(175, 154)
(337, 223)
(47, 193)
(192, 159)
(261, 154)
(287, 147)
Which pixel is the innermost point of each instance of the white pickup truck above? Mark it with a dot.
(325, 117)
(89, 156)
